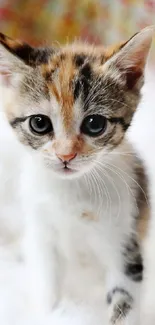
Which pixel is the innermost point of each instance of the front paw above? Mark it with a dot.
(120, 304)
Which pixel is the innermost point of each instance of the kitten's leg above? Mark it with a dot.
(124, 290)
(41, 265)
(120, 298)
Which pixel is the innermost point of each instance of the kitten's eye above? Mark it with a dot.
(94, 125)
(40, 124)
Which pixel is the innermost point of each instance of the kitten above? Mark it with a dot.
(82, 205)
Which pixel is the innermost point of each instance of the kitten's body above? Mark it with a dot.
(81, 218)
(78, 219)
(71, 220)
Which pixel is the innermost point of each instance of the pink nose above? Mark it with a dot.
(67, 157)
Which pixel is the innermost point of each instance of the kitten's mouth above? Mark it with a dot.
(68, 170)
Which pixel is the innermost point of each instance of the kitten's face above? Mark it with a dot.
(73, 105)
(74, 117)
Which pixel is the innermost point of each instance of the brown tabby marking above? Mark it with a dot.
(143, 222)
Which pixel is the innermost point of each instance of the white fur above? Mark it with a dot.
(51, 256)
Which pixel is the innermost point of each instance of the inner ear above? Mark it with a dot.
(28, 54)
(132, 77)
(130, 61)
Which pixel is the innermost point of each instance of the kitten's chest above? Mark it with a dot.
(80, 218)
(85, 224)
(71, 212)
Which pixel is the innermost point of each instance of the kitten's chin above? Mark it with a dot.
(70, 173)
(67, 173)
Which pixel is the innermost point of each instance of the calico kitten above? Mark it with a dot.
(82, 187)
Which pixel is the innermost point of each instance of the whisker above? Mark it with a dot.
(127, 185)
(108, 197)
(130, 177)
(99, 191)
(115, 188)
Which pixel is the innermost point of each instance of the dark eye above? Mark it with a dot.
(40, 124)
(94, 125)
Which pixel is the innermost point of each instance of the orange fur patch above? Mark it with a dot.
(61, 84)
(66, 75)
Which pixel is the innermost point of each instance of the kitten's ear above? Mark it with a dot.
(16, 56)
(130, 61)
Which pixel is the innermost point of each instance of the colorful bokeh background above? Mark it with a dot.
(97, 21)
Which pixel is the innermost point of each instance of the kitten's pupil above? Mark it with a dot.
(40, 124)
(94, 125)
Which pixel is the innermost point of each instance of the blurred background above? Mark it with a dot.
(96, 21)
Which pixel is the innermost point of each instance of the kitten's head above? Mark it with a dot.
(74, 104)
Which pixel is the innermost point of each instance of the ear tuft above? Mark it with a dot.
(136, 50)
(132, 57)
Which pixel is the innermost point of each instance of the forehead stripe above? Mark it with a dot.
(53, 89)
(77, 89)
(79, 59)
